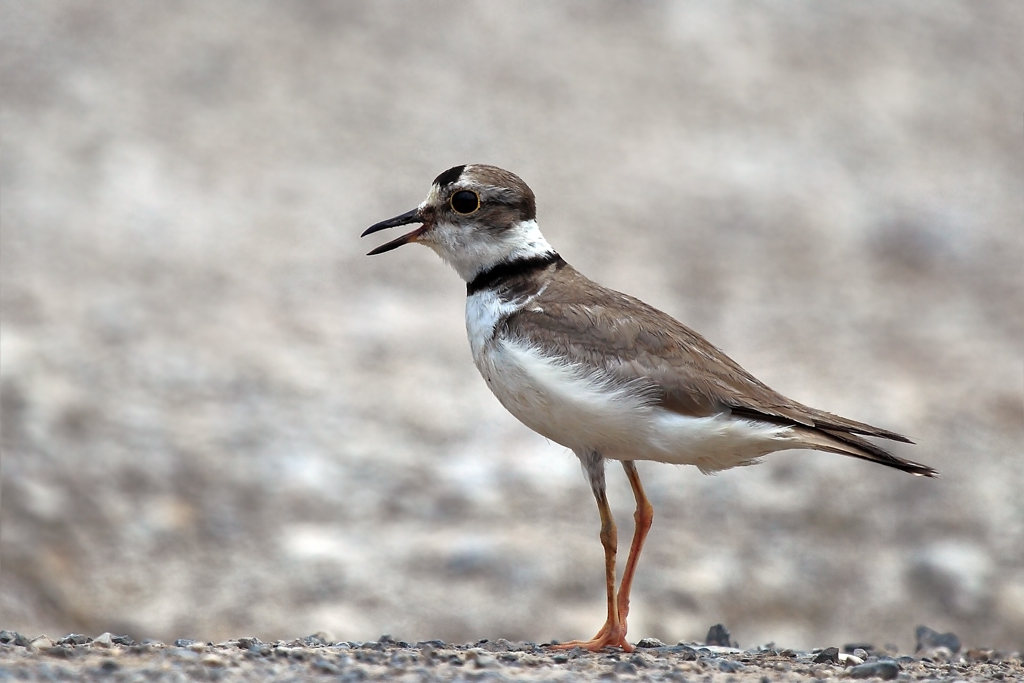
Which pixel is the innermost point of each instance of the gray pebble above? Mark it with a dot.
(719, 635)
(886, 669)
(650, 642)
(928, 639)
(436, 644)
(74, 639)
(829, 655)
(316, 640)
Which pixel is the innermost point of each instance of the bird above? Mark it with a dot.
(603, 373)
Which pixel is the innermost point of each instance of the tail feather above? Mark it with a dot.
(837, 426)
(843, 442)
(819, 419)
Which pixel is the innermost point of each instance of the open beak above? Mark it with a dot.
(406, 218)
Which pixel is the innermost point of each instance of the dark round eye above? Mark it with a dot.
(465, 201)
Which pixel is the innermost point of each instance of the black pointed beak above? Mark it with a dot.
(406, 218)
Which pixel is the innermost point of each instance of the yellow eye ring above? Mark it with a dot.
(464, 202)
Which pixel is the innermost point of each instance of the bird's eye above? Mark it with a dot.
(465, 202)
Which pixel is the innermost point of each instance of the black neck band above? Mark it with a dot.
(488, 278)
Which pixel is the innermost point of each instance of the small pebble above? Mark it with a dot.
(42, 643)
(886, 669)
(719, 635)
(248, 643)
(829, 655)
(318, 639)
(650, 642)
(74, 639)
(928, 639)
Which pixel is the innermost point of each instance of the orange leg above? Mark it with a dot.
(642, 519)
(613, 633)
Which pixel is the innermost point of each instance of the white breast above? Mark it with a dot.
(586, 409)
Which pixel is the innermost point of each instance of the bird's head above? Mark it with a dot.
(475, 217)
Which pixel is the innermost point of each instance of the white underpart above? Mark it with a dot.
(470, 251)
(588, 410)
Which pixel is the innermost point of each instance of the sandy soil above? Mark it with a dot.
(220, 418)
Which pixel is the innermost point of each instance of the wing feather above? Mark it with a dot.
(632, 341)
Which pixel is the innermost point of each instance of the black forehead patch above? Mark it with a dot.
(449, 176)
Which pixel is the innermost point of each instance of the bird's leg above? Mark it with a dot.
(642, 518)
(613, 633)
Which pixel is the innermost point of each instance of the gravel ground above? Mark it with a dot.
(319, 657)
(219, 417)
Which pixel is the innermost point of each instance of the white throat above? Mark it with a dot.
(470, 250)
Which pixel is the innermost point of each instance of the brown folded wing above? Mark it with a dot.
(575, 317)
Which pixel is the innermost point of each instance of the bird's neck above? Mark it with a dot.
(506, 270)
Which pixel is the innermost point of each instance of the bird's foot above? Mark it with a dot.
(608, 636)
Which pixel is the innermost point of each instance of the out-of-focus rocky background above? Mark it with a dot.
(220, 418)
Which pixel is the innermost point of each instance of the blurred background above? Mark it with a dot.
(221, 419)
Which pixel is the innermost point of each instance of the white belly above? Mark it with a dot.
(585, 409)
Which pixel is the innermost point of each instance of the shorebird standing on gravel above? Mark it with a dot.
(600, 372)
